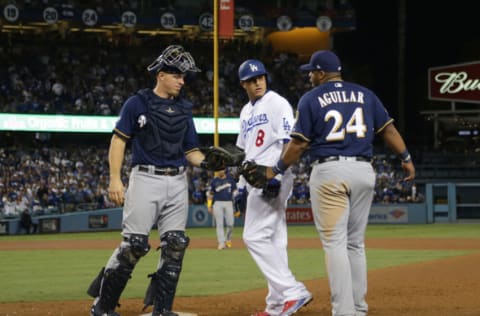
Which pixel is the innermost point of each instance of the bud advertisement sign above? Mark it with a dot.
(460, 82)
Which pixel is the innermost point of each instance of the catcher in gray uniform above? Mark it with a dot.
(160, 126)
(336, 122)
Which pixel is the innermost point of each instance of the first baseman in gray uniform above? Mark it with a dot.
(160, 126)
(337, 122)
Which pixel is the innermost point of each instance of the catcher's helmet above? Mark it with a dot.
(251, 68)
(173, 59)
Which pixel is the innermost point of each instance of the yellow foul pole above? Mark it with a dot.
(215, 72)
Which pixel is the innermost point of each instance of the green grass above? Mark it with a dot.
(65, 274)
(307, 231)
(43, 275)
(425, 231)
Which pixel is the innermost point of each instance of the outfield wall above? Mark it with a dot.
(111, 219)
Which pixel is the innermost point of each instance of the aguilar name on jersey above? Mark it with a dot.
(260, 129)
(342, 123)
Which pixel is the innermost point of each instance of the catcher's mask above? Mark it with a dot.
(173, 59)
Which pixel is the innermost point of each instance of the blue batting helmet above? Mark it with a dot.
(251, 68)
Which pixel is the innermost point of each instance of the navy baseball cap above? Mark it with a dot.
(324, 60)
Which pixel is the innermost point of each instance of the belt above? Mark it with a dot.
(342, 158)
(161, 171)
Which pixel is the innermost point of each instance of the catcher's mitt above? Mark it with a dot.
(218, 158)
(254, 174)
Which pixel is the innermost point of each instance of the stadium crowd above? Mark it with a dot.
(68, 79)
(50, 180)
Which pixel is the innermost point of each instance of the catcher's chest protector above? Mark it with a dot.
(165, 127)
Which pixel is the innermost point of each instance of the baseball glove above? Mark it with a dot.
(218, 158)
(254, 174)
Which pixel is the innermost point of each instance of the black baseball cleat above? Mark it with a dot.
(97, 311)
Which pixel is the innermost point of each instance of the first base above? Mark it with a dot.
(179, 314)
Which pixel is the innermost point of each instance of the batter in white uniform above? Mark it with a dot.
(266, 121)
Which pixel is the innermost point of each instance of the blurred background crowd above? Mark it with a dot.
(59, 77)
(49, 179)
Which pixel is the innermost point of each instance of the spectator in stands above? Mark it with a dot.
(21, 203)
(301, 193)
(26, 222)
(42, 194)
(9, 205)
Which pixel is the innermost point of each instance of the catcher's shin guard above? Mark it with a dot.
(110, 283)
(94, 288)
(163, 284)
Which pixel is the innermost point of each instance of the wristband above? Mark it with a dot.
(280, 167)
(405, 156)
(209, 203)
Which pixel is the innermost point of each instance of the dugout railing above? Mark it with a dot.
(452, 201)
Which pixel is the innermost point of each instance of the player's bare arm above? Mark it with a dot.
(293, 151)
(116, 153)
(394, 140)
(195, 157)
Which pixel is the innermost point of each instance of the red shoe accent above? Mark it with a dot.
(291, 307)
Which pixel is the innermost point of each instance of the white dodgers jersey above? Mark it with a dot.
(264, 126)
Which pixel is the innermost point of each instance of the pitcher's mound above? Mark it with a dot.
(179, 314)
